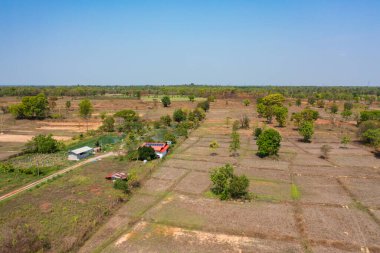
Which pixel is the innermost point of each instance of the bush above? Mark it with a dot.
(348, 106)
(306, 129)
(146, 153)
(281, 114)
(372, 136)
(133, 155)
(227, 185)
(325, 151)
(108, 124)
(32, 107)
(166, 120)
(166, 101)
(121, 184)
(369, 115)
(43, 144)
(205, 105)
(268, 142)
(244, 122)
(258, 131)
(179, 115)
(170, 137)
(366, 125)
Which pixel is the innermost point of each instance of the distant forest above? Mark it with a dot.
(326, 92)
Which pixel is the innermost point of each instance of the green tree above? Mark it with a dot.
(166, 120)
(127, 115)
(306, 129)
(348, 106)
(165, 101)
(179, 115)
(281, 113)
(108, 124)
(345, 140)
(235, 143)
(43, 144)
(227, 185)
(334, 108)
(146, 153)
(170, 137)
(68, 105)
(298, 102)
(85, 110)
(372, 136)
(31, 107)
(246, 102)
(269, 103)
(346, 114)
(121, 184)
(268, 142)
(191, 98)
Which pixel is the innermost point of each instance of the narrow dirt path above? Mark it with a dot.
(60, 172)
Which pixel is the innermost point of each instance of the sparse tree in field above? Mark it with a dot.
(345, 140)
(214, 145)
(268, 142)
(311, 100)
(325, 151)
(235, 143)
(179, 115)
(166, 101)
(372, 136)
(298, 102)
(68, 105)
(306, 130)
(281, 114)
(227, 185)
(334, 108)
(267, 105)
(244, 122)
(108, 124)
(85, 110)
(103, 115)
(246, 102)
(257, 131)
(191, 98)
(346, 114)
(166, 120)
(348, 106)
(321, 103)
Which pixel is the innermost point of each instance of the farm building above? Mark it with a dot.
(161, 148)
(80, 153)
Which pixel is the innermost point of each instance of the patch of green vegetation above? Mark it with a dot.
(258, 179)
(210, 194)
(266, 197)
(104, 140)
(295, 193)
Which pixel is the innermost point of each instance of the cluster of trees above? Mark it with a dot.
(226, 185)
(31, 107)
(43, 144)
(272, 106)
(304, 120)
(369, 128)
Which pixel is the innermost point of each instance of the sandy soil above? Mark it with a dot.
(25, 138)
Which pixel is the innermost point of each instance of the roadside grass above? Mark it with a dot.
(295, 193)
(68, 208)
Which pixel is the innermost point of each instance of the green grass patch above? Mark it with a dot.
(295, 193)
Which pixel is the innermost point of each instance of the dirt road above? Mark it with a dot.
(60, 172)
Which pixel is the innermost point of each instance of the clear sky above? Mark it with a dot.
(236, 42)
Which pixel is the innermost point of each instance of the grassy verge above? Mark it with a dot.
(295, 193)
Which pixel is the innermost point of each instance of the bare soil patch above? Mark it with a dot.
(25, 138)
(356, 161)
(365, 190)
(192, 164)
(169, 173)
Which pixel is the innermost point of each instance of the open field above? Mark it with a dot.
(303, 203)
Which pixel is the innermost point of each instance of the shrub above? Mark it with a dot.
(133, 155)
(372, 136)
(345, 140)
(166, 120)
(43, 144)
(246, 102)
(227, 185)
(281, 114)
(121, 184)
(108, 124)
(146, 153)
(268, 142)
(346, 114)
(205, 105)
(179, 115)
(235, 125)
(165, 101)
(366, 125)
(127, 115)
(348, 106)
(214, 145)
(170, 137)
(369, 115)
(306, 129)
(258, 131)
(211, 98)
(321, 103)
(334, 108)
(191, 98)
(298, 102)
(235, 142)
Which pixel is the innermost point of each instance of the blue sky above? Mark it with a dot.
(235, 42)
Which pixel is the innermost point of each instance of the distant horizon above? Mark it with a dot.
(220, 42)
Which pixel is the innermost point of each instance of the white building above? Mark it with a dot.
(80, 153)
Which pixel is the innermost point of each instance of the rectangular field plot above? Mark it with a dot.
(356, 161)
(147, 237)
(169, 173)
(194, 182)
(336, 171)
(367, 191)
(192, 164)
(310, 160)
(321, 190)
(270, 190)
(256, 162)
(156, 186)
(268, 174)
(341, 226)
(266, 219)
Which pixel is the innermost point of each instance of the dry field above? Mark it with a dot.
(334, 205)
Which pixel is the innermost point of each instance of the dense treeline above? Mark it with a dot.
(318, 92)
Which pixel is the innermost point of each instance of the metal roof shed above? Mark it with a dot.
(80, 153)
